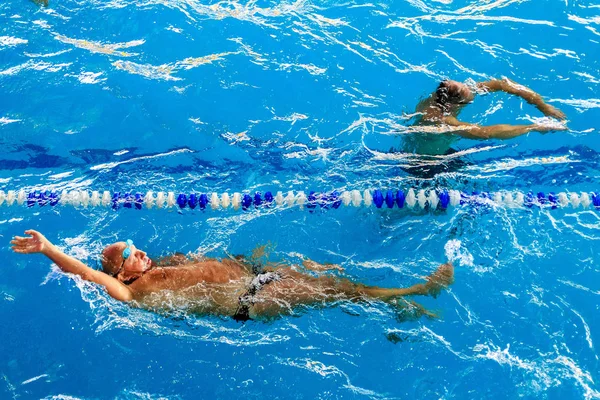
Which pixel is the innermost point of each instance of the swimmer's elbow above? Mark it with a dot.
(126, 298)
(114, 288)
(121, 294)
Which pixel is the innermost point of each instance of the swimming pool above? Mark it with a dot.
(226, 96)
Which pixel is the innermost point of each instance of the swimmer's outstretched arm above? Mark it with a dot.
(500, 131)
(315, 266)
(533, 98)
(37, 243)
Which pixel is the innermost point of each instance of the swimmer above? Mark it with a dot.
(443, 106)
(438, 127)
(229, 287)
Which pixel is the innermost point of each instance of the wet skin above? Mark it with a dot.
(214, 286)
(442, 108)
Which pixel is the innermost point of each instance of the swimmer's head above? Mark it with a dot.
(124, 261)
(452, 93)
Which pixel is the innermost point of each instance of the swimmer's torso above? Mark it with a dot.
(206, 287)
(434, 138)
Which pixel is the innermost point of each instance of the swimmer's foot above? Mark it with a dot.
(409, 310)
(440, 279)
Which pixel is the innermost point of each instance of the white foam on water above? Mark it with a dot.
(542, 373)
(456, 253)
(35, 378)
(6, 120)
(9, 41)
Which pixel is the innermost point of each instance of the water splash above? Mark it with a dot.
(455, 252)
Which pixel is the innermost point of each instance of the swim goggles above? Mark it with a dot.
(125, 255)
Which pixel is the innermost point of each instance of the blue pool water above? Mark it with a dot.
(228, 96)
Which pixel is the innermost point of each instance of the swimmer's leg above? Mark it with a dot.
(296, 289)
(409, 310)
(441, 278)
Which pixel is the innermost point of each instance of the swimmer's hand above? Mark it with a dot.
(37, 243)
(548, 128)
(551, 111)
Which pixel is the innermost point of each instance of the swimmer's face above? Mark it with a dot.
(115, 264)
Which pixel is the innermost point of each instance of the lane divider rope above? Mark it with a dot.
(430, 199)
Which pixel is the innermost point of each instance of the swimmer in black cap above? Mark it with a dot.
(444, 105)
(230, 287)
(437, 127)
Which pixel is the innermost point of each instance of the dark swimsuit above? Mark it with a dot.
(247, 299)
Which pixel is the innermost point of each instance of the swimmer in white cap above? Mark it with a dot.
(230, 287)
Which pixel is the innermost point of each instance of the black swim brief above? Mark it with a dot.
(247, 299)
